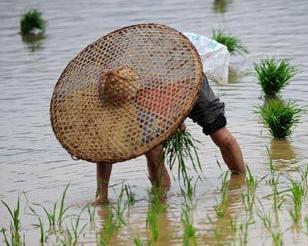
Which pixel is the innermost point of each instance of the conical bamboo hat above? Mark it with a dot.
(125, 93)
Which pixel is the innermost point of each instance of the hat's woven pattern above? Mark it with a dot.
(164, 77)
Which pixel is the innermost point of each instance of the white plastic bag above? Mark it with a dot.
(215, 57)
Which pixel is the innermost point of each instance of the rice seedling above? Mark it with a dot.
(243, 232)
(277, 238)
(130, 195)
(297, 195)
(42, 233)
(114, 220)
(220, 209)
(234, 229)
(280, 118)
(91, 214)
(137, 241)
(189, 190)
(57, 214)
(32, 23)
(179, 148)
(233, 44)
(249, 197)
(273, 75)
(154, 210)
(73, 233)
(189, 233)
(110, 227)
(266, 218)
(15, 225)
(278, 200)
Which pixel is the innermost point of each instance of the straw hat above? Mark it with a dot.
(125, 93)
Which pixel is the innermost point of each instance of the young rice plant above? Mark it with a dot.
(233, 44)
(32, 22)
(280, 118)
(273, 75)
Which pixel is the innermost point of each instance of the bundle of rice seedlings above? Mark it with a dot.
(280, 118)
(32, 23)
(179, 148)
(273, 75)
(233, 44)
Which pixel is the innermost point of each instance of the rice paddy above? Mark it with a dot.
(287, 192)
(267, 207)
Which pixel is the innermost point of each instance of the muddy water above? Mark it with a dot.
(35, 167)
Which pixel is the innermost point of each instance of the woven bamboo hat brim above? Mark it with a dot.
(125, 93)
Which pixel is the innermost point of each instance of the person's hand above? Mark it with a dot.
(182, 127)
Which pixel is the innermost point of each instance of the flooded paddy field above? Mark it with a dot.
(268, 207)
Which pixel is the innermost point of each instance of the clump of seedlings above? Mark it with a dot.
(32, 23)
(177, 149)
(273, 75)
(279, 117)
(233, 44)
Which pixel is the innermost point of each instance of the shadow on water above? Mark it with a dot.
(33, 42)
(221, 6)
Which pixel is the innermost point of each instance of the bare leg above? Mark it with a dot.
(103, 172)
(230, 150)
(158, 173)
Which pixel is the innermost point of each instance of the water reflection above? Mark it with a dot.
(33, 42)
(282, 154)
(221, 6)
(221, 228)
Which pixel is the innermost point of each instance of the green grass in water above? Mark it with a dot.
(179, 148)
(233, 44)
(280, 118)
(273, 75)
(32, 20)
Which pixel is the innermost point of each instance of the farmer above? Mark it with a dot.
(123, 96)
(208, 112)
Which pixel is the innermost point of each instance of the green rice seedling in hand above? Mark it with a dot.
(233, 44)
(280, 118)
(32, 23)
(178, 148)
(15, 225)
(273, 75)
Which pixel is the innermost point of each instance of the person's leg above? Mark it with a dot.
(103, 172)
(158, 173)
(208, 112)
(230, 150)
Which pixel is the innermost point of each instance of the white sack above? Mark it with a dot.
(215, 57)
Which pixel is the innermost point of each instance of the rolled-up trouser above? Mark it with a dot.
(209, 111)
